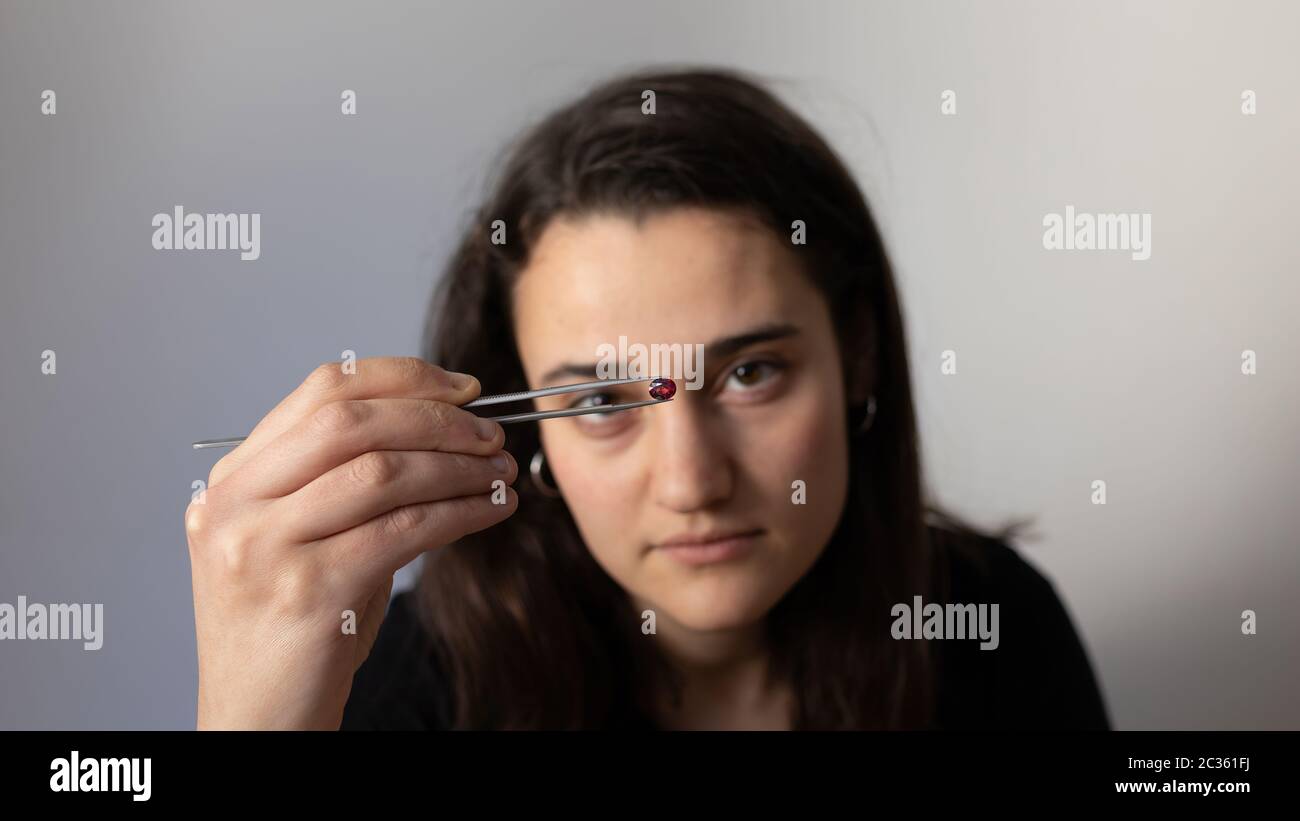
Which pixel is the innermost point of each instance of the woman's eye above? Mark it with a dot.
(601, 424)
(751, 374)
(593, 400)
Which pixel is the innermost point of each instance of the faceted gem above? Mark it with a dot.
(662, 389)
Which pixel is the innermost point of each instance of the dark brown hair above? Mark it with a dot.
(530, 630)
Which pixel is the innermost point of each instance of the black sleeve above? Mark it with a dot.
(400, 685)
(1039, 677)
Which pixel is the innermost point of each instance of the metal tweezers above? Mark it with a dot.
(517, 397)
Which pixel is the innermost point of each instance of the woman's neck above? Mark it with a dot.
(725, 677)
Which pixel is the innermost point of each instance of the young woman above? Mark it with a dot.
(749, 555)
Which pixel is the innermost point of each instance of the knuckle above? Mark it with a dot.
(219, 470)
(298, 586)
(406, 519)
(197, 520)
(233, 554)
(338, 417)
(413, 369)
(227, 465)
(464, 463)
(375, 469)
(326, 378)
(442, 415)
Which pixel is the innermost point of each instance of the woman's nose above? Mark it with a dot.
(690, 464)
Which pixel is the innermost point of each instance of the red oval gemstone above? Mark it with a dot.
(663, 389)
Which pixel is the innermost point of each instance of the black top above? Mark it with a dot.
(1038, 677)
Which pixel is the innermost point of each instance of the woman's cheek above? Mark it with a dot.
(594, 499)
(808, 469)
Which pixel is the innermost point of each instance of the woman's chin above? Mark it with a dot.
(713, 607)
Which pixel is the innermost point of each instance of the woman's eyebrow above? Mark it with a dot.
(728, 345)
(718, 348)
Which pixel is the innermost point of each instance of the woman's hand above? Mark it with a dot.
(348, 479)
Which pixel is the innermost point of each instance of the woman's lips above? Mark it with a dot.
(710, 547)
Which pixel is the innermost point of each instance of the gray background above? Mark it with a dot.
(1072, 366)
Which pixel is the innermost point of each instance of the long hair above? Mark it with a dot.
(531, 631)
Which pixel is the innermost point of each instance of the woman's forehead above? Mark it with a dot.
(682, 273)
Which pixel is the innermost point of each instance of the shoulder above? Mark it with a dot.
(1032, 670)
(400, 686)
(972, 564)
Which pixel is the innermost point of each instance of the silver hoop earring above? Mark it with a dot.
(535, 471)
(870, 419)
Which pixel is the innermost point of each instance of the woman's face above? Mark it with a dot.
(758, 451)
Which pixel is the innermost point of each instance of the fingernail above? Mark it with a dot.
(487, 429)
(501, 462)
(460, 381)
